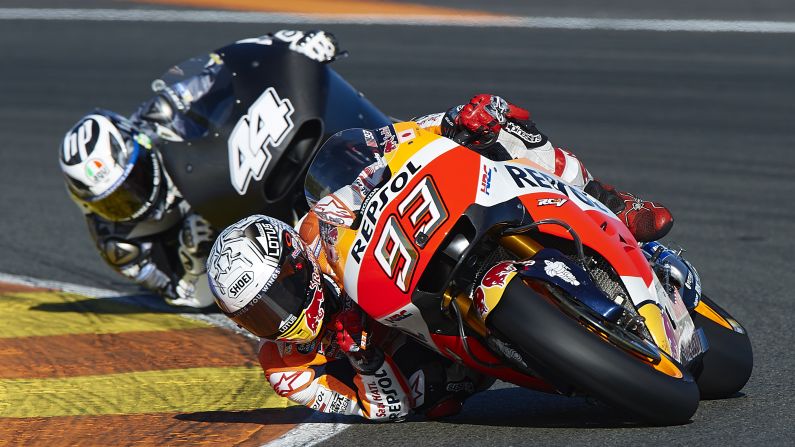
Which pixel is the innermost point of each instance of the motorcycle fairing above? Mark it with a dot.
(362, 269)
(382, 261)
(322, 104)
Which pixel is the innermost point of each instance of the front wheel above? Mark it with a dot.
(566, 349)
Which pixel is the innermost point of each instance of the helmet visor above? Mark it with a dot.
(134, 193)
(279, 307)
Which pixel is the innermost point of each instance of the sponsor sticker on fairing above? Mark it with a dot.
(552, 201)
(316, 45)
(434, 119)
(480, 303)
(406, 135)
(497, 275)
(485, 179)
(490, 290)
(560, 270)
(369, 139)
(402, 315)
(375, 203)
(525, 179)
(388, 139)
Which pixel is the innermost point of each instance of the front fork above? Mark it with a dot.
(522, 246)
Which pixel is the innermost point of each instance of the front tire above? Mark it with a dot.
(566, 351)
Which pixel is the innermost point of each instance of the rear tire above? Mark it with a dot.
(565, 351)
(727, 364)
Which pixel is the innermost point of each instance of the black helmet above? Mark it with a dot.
(264, 278)
(111, 169)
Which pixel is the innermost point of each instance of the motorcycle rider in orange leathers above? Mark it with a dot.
(318, 348)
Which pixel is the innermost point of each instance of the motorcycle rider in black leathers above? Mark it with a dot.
(140, 222)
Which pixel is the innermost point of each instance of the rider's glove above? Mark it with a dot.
(351, 338)
(485, 115)
(190, 291)
(195, 241)
(348, 327)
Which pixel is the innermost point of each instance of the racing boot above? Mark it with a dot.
(461, 383)
(647, 221)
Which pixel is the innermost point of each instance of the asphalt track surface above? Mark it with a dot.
(702, 122)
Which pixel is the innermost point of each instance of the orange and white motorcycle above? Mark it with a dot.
(507, 269)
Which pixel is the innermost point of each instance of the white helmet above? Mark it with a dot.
(265, 279)
(110, 167)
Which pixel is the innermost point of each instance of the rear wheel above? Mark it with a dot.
(727, 364)
(569, 346)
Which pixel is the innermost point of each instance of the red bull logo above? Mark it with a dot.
(495, 277)
(314, 313)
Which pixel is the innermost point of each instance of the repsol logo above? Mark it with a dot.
(391, 395)
(371, 210)
(240, 283)
(527, 177)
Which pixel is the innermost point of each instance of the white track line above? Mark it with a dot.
(562, 23)
(91, 292)
(316, 429)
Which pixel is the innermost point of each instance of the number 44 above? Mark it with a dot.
(266, 124)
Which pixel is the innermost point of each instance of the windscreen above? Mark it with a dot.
(340, 161)
(200, 92)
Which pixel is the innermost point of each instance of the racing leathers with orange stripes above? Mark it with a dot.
(385, 377)
(399, 376)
